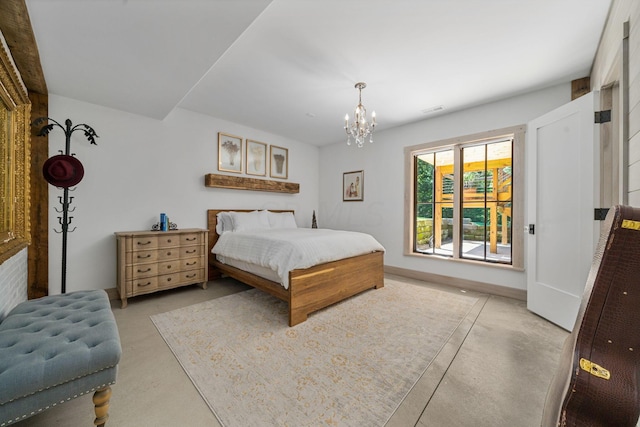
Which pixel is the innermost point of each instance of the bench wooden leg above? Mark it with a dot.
(101, 401)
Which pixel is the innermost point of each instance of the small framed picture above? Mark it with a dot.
(256, 163)
(229, 153)
(353, 186)
(279, 163)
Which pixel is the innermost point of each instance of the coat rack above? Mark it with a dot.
(64, 171)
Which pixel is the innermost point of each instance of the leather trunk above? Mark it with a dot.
(596, 383)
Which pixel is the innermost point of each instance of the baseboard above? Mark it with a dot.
(472, 285)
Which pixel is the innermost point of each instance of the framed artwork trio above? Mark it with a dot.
(253, 157)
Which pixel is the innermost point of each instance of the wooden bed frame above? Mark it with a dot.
(310, 289)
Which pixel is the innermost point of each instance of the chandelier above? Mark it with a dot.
(360, 129)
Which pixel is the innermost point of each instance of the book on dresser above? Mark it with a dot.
(151, 261)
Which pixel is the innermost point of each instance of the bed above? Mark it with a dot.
(309, 289)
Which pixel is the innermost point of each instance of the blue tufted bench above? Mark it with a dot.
(54, 349)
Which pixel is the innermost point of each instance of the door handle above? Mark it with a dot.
(532, 229)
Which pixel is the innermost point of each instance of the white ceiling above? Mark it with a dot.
(289, 66)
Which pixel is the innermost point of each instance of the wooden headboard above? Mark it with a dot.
(212, 221)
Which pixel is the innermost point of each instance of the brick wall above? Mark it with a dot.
(13, 282)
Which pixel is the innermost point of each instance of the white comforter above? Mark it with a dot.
(283, 250)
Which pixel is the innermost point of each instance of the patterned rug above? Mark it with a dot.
(351, 364)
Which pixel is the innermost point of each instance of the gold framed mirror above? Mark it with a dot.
(15, 110)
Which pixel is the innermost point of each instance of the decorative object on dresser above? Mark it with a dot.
(64, 171)
(164, 224)
(150, 261)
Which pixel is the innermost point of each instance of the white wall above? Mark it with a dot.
(142, 167)
(607, 69)
(381, 214)
(13, 282)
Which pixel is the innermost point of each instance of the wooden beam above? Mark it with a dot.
(243, 183)
(580, 87)
(16, 29)
(38, 280)
(15, 26)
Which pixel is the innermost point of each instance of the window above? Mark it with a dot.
(466, 198)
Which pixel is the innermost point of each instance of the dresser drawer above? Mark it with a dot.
(165, 254)
(192, 276)
(168, 240)
(138, 257)
(190, 263)
(144, 243)
(169, 280)
(167, 267)
(190, 251)
(143, 270)
(142, 286)
(190, 239)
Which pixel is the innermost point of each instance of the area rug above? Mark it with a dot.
(350, 364)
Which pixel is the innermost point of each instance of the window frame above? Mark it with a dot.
(517, 224)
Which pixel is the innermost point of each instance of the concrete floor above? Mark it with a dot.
(494, 371)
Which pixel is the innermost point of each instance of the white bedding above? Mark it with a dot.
(283, 250)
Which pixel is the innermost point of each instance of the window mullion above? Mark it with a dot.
(457, 197)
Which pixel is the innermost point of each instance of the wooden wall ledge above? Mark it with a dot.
(242, 183)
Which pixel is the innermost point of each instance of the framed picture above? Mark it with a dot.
(353, 186)
(279, 163)
(229, 153)
(256, 163)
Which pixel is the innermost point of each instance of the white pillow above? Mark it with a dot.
(224, 223)
(244, 221)
(281, 219)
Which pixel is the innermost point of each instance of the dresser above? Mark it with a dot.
(151, 261)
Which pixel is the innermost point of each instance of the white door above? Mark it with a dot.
(563, 187)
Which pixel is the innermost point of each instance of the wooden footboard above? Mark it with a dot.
(314, 288)
(318, 287)
(310, 289)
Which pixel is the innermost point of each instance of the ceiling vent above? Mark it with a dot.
(433, 109)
